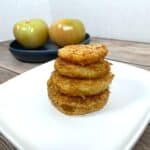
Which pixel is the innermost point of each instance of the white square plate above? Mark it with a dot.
(30, 121)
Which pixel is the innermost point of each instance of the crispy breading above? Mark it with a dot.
(77, 71)
(83, 54)
(76, 105)
(81, 87)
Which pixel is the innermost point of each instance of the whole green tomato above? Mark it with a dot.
(31, 33)
(67, 31)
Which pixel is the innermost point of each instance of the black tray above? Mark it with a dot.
(43, 54)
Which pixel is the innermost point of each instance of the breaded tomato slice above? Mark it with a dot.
(68, 69)
(83, 54)
(72, 105)
(81, 87)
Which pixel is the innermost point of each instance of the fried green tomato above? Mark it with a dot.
(83, 72)
(81, 87)
(72, 105)
(83, 54)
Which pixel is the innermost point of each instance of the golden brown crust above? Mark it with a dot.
(77, 71)
(76, 105)
(81, 87)
(83, 54)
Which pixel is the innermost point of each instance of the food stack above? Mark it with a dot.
(80, 82)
